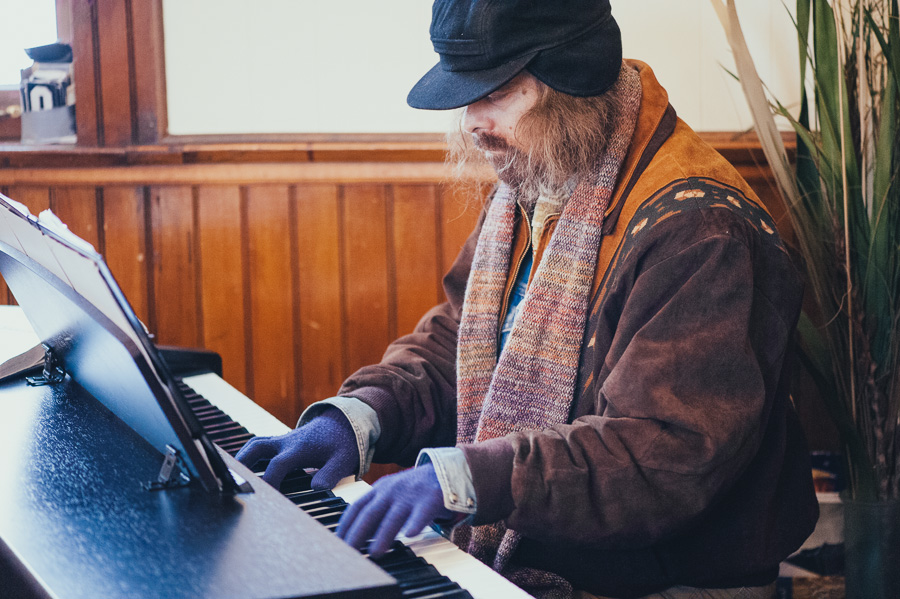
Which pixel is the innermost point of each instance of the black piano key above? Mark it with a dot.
(326, 511)
(204, 411)
(296, 482)
(460, 593)
(305, 498)
(212, 420)
(414, 567)
(330, 504)
(330, 519)
(418, 578)
(224, 438)
(229, 438)
(396, 555)
(232, 448)
(439, 588)
(224, 427)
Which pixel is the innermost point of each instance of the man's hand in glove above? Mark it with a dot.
(326, 442)
(409, 500)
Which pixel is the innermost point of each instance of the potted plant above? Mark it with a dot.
(843, 198)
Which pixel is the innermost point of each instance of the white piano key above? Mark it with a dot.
(237, 405)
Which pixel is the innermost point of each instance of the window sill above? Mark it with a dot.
(738, 148)
(16, 155)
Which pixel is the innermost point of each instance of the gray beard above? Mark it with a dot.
(529, 180)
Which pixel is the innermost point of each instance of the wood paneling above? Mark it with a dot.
(460, 208)
(366, 299)
(416, 253)
(36, 198)
(221, 265)
(320, 331)
(237, 174)
(77, 207)
(269, 267)
(125, 228)
(174, 313)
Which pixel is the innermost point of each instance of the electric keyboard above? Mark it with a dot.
(232, 419)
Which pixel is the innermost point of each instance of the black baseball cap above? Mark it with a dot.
(574, 46)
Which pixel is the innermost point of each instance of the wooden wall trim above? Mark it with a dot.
(741, 149)
(47, 157)
(358, 172)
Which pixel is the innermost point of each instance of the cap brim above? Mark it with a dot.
(443, 90)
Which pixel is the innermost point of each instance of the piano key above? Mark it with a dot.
(237, 405)
(308, 497)
(232, 437)
(225, 427)
(329, 519)
(326, 504)
(465, 576)
(435, 589)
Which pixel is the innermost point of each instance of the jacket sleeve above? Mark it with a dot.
(688, 384)
(413, 388)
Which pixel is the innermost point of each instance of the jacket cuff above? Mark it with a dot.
(491, 464)
(454, 477)
(386, 410)
(363, 421)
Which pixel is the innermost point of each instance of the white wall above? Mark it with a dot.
(23, 25)
(294, 66)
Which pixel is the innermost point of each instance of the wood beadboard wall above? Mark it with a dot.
(298, 263)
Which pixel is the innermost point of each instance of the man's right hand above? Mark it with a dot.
(326, 442)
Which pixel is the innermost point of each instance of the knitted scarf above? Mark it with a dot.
(532, 385)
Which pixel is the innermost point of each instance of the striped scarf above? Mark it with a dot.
(532, 385)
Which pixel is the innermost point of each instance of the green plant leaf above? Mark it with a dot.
(891, 50)
(849, 237)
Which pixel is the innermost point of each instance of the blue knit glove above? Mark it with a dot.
(326, 442)
(410, 500)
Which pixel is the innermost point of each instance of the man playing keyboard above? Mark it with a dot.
(600, 408)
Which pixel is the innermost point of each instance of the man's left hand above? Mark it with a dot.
(408, 500)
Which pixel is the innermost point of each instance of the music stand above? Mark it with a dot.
(90, 333)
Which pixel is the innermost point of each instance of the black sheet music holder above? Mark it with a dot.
(90, 332)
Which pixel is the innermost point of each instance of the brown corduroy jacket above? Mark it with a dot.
(682, 461)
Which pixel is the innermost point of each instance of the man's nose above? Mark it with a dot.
(475, 117)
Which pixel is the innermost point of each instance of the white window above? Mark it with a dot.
(23, 24)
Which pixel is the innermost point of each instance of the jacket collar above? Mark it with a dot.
(656, 122)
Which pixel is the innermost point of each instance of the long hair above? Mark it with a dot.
(558, 141)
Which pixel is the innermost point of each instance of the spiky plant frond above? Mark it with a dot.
(843, 198)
